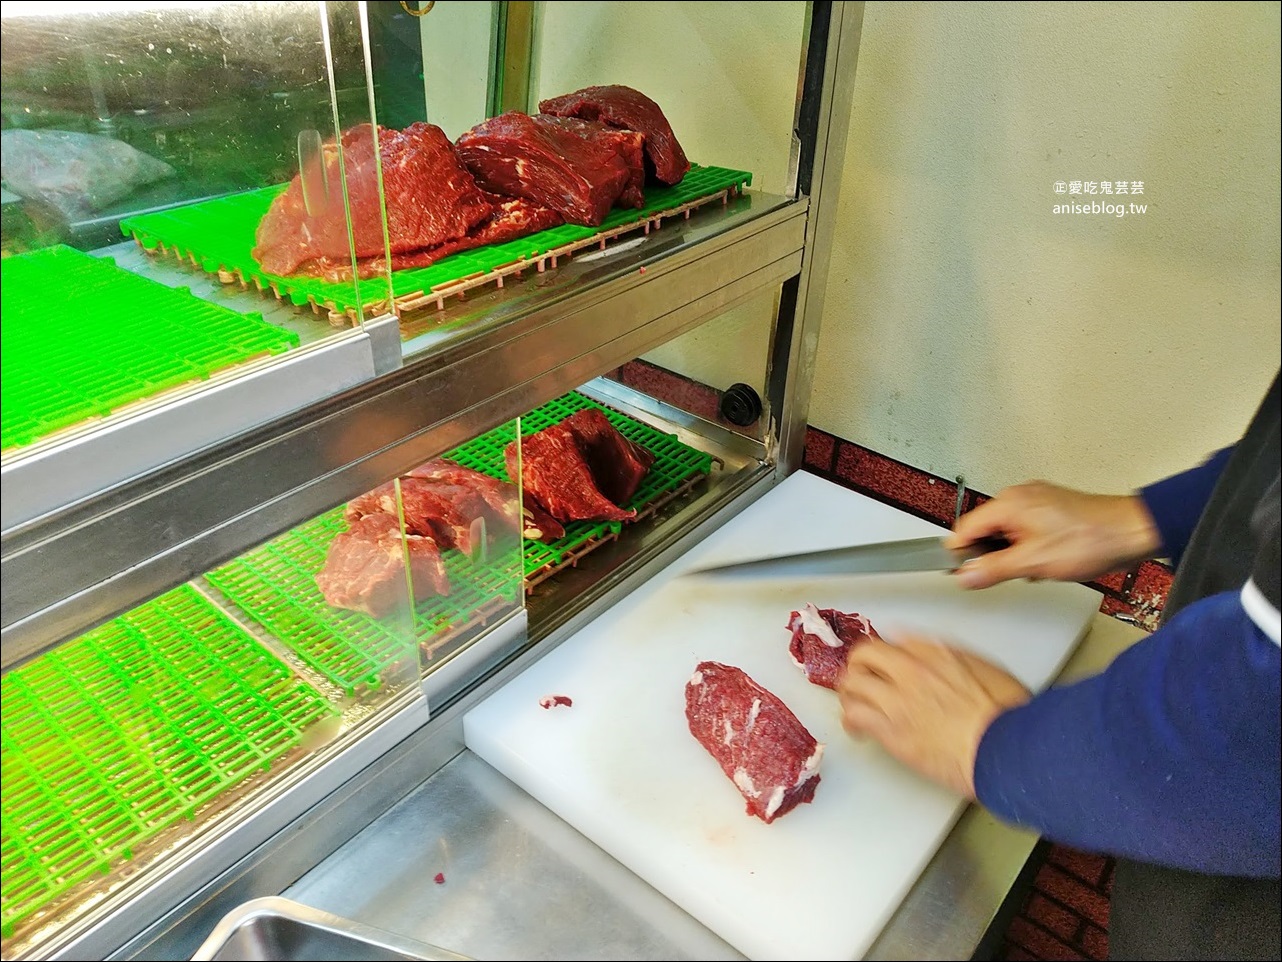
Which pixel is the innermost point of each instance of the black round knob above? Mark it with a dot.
(741, 405)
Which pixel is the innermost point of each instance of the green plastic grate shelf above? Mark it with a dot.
(116, 736)
(218, 236)
(83, 338)
(274, 586)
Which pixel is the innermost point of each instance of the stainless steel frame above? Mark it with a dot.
(154, 532)
(823, 120)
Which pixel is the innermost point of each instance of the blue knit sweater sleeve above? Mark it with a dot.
(1177, 502)
(1172, 753)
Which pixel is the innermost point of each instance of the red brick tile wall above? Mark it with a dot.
(1136, 596)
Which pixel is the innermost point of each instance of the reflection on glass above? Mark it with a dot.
(145, 146)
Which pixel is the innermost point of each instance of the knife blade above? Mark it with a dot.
(919, 554)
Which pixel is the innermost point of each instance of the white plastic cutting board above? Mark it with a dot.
(621, 766)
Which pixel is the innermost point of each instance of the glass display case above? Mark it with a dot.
(297, 518)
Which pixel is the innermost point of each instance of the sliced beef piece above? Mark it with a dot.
(431, 199)
(630, 109)
(761, 746)
(822, 639)
(555, 473)
(618, 465)
(629, 144)
(517, 155)
(365, 567)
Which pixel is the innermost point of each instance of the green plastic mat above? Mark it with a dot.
(275, 587)
(113, 737)
(219, 234)
(83, 338)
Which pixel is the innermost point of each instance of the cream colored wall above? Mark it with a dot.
(968, 329)
(726, 78)
(455, 38)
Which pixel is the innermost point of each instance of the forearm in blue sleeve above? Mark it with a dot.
(1171, 755)
(1177, 502)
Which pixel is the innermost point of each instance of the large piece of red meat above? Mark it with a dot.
(448, 517)
(618, 465)
(522, 156)
(759, 743)
(629, 144)
(365, 567)
(629, 109)
(431, 199)
(513, 218)
(581, 468)
(502, 497)
(822, 639)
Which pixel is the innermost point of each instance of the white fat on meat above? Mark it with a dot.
(813, 623)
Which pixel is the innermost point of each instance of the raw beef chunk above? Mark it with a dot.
(629, 144)
(478, 494)
(555, 473)
(581, 468)
(502, 498)
(630, 109)
(449, 503)
(513, 218)
(761, 746)
(522, 156)
(365, 567)
(431, 199)
(428, 512)
(822, 639)
(618, 465)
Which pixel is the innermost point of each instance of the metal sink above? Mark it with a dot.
(280, 929)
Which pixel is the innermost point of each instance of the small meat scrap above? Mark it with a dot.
(517, 155)
(822, 639)
(439, 878)
(629, 109)
(365, 567)
(431, 199)
(554, 701)
(759, 743)
(581, 468)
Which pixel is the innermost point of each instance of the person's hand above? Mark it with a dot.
(928, 704)
(1056, 534)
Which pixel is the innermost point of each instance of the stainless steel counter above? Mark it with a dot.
(516, 882)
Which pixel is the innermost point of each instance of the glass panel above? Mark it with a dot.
(143, 144)
(727, 355)
(181, 717)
